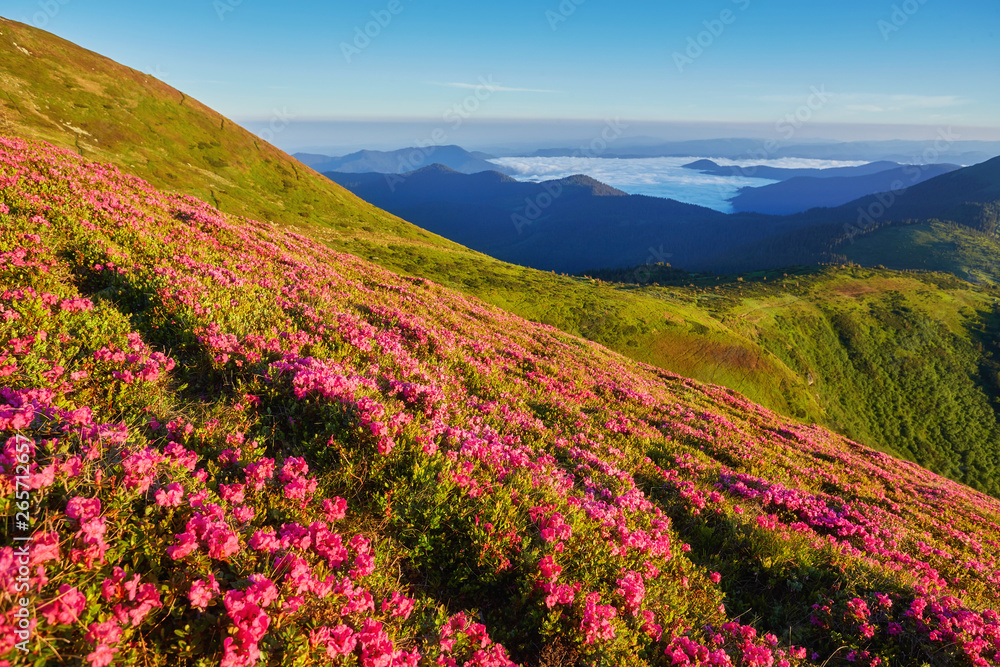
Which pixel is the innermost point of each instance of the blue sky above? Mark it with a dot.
(925, 63)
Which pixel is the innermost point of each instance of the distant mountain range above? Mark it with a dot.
(945, 148)
(577, 224)
(566, 225)
(801, 189)
(784, 173)
(401, 161)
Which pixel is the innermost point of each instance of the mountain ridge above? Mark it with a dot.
(400, 161)
(785, 173)
(525, 224)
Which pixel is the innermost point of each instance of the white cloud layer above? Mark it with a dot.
(657, 177)
(880, 103)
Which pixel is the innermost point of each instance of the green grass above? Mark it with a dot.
(780, 345)
(932, 245)
(906, 362)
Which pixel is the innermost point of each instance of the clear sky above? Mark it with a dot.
(931, 63)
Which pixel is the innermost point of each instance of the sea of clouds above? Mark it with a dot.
(657, 177)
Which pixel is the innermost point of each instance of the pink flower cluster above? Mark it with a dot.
(565, 472)
(207, 531)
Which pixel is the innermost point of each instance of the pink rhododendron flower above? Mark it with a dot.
(101, 656)
(140, 469)
(632, 589)
(335, 509)
(262, 591)
(259, 473)
(83, 509)
(44, 547)
(186, 543)
(265, 540)
(399, 606)
(596, 624)
(222, 543)
(202, 592)
(232, 493)
(170, 496)
(244, 513)
(108, 632)
(549, 569)
(65, 609)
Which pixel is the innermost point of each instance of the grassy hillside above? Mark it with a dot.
(61, 93)
(56, 87)
(931, 245)
(234, 445)
(906, 362)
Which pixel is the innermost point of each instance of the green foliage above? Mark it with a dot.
(902, 362)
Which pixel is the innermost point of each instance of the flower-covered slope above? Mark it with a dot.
(226, 444)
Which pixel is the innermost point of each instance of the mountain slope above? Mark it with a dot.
(505, 218)
(802, 193)
(244, 448)
(527, 224)
(59, 92)
(967, 197)
(566, 225)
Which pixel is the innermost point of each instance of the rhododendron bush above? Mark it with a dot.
(242, 448)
